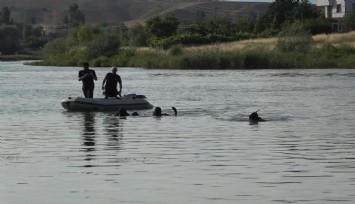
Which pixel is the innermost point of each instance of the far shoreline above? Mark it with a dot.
(34, 62)
(5, 58)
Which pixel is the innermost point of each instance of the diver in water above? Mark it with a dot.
(123, 113)
(254, 118)
(158, 112)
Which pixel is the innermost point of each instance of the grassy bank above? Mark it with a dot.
(326, 51)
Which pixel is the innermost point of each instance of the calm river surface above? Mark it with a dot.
(209, 153)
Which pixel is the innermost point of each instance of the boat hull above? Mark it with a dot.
(129, 102)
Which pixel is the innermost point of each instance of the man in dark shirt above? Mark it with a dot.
(87, 76)
(110, 84)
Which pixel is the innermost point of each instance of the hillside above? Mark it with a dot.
(52, 12)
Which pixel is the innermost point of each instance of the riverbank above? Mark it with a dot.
(19, 57)
(323, 51)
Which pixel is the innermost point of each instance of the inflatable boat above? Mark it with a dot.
(129, 102)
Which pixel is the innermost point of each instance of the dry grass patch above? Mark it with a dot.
(336, 38)
(268, 43)
(264, 43)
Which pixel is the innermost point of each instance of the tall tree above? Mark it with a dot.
(9, 39)
(152, 26)
(76, 17)
(350, 21)
(305, 10)
(289, 11)
(170, 23)
(162, 27)
(281, 11)
(138, 36)
(5, 16)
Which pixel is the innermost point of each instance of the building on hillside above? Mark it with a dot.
(336, 10)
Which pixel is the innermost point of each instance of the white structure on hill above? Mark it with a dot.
(336, 10)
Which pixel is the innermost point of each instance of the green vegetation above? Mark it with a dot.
(327, 56)
(86, 43)
(9, 36)
(15, 37)
(295, 38)
(257, 55)
(172, 43)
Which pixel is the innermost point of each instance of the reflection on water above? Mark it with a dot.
(113, 131)
(89, 134)
(209, 153)
(109, 128)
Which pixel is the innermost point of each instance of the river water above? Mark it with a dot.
(209, 153)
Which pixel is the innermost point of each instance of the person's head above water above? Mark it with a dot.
(114, 69)
(254, 117)
(157, 111)
(123, 112)
(86, 65)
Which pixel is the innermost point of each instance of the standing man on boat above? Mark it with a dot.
(109, 84)
(87, 76)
